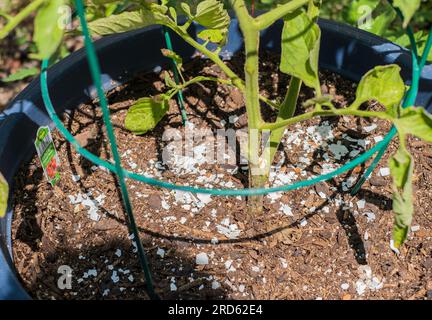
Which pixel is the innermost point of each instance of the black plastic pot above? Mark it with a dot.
(345, 50)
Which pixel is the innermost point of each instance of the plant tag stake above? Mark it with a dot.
(47, 155)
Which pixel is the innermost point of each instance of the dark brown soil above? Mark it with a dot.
(328, 246)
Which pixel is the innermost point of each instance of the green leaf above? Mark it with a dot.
(401, 38)
(402, 168)
(400, 165)
(212, 15)
(415, 121)
(48, 31)
(168, 81)
(150, 14)
(212, 35)
(173, 14)
(122, 22)
(145, 114)
(100, 2)
(314, 8)
(4, 194)
(408, 9)
(374, 16)
(300, 48)
(186, 9)
(21, 74)
(384, 15)
(172, 55)
(358, 9)
(382, 83)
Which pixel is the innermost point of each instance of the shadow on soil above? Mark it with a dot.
(119, 277)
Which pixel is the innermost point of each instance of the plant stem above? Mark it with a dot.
(257, 164)
(267, 19)
(326, 113)
(286, 111)
(13, 22)
(288, 106)
(236, 80)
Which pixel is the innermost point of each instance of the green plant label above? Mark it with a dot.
(48, 155)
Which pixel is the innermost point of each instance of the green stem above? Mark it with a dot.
(32, 6)
(267, 19)
(236, 80)
(184, 85)
(210, 54)
(251, 39)
(288, 106)
(257, 163)
(325, 113)
(286, 111)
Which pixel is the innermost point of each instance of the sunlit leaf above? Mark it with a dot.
(48, 31)
(415, 121)
(212, 15)
(150, 14)
(300, 48)
(314, 7)
(359, 9)
(384, 15)
(169, 82)
(186, 9)
(122, 22)
(21, 74)
(401, 38)
(145, 114)
(173, 14)
(402, 167)
(408, 9)
(383, 84)
(212, 35)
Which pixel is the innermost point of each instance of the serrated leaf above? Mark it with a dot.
(401, 167)
(382, 83)
(212, 15)
(4, 194)
(145, 114)
(415, 121)
(300, 48)
(21, 74)
(408, 9)
(48, 32)
(212, 35)
(172, 55)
